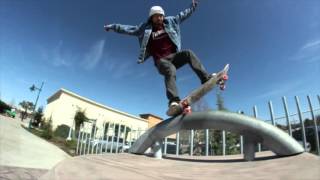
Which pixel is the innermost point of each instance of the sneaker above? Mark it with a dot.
(174, 108)
(174, 104)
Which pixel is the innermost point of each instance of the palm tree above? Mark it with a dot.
(26, 105)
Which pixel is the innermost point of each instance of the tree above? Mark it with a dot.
(47, 131)
(79, 118)
(199, 135)
(220, 102)
(38, 117)
(26, 105)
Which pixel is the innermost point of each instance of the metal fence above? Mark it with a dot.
(113, 137)
(301, 125)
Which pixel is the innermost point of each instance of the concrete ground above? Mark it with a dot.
(20, 148)
(17, 173)
(25, 156)
(128, 166)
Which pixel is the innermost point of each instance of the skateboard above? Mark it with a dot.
(184, 107)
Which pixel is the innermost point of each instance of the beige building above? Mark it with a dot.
(63, 105)
(152, 119)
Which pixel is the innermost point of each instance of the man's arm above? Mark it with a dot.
(124, 29)
(183, 15)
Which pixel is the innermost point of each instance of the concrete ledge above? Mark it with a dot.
(253, 130)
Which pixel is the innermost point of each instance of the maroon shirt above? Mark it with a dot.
(160, 44)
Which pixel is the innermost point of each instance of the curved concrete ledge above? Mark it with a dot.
(253, 130)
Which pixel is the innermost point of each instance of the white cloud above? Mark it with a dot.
(309, 52)
(118, 68)
(56, 56)
(94, 55)
(185, 78)
(312, 44)
(122, 70)
(279, 89)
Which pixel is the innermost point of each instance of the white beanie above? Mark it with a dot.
(156, 10)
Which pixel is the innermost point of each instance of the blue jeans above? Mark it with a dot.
(168, 65)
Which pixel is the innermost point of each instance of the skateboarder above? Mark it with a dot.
(160, 38)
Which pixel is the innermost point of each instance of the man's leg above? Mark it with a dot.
(168, 70)
(187, 56)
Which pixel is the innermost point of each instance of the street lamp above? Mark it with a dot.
(70, 129)
(34, 88)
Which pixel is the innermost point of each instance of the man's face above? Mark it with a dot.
(157, 19)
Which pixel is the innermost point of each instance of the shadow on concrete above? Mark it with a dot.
(235, 160)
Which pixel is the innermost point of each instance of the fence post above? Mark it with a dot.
(79, 141)
(118, 137)
(89, 139)
(271, 113)
(241, 137)
(85, 145)
(223, 142)
(165, 145)
(112, 140)
(255, 112)
(177, 143)
(103, 134)
(284, 100)
(94, 136)
(124, 138)
(212, 150)
(207, 142)
(99, 144)
(131, 133)
(302, 123)
(82, 136)
(107, 138)
(241, 144)
(315, 126)
(191, 141)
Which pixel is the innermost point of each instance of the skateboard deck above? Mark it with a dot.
(184, 107)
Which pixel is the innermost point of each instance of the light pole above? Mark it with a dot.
(34, 88)
(70, 129)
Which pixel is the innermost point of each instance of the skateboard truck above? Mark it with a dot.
(186, 108)
(221, 82)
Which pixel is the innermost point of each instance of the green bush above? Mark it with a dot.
(72, 144)
(62, 131)
(47, 132)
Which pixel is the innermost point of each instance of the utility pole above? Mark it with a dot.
(34, 88)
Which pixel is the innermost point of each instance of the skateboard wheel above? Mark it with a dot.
(225, 77)
(184, 103)
(187, 110)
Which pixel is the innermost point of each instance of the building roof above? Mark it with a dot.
(148, 115)
(56, 96)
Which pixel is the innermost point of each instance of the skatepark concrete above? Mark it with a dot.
(128, 166)
(25, 156)
(20, 149)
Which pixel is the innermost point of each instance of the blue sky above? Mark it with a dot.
(273, 48)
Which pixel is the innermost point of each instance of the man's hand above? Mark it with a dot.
(107, 27)
(194, 3)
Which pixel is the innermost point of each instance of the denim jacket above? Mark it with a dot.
(144, 30)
